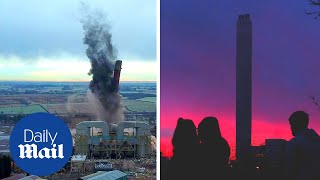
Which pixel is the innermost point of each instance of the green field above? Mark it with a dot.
(146, 104)
(131, 105)
(54, 88)
(148, 99)
(139, 106)
(22, 109)
(4, 86)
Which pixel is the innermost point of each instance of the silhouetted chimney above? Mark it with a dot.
(243, 88)
(116, 74)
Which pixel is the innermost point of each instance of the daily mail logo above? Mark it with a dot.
(41, 144)
(31, 150)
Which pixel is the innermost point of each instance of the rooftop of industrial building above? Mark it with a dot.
(107, 175)
(78, 157)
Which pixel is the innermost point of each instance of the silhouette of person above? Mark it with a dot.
(302, 152)
(214, 150)
(185, 144)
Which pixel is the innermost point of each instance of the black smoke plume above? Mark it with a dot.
(102, 54)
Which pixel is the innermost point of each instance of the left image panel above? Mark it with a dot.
(78, 89)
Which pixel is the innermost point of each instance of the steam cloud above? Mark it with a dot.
(102, 54)
(153, 144)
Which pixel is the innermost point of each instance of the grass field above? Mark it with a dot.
(22, 109)
(4, 86)
(139, 106)
(131, 105)
(63, 108)
(146, 104)
(148, 99)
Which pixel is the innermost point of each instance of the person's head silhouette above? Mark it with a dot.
(299, 121)
(209, 130)
(185, 148)
(185, 133)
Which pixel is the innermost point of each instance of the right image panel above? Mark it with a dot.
(239, 94)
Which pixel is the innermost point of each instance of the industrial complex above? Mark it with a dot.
(99, 139)
(123, 148)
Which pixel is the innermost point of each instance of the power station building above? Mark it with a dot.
(128, 139)
(243, 87)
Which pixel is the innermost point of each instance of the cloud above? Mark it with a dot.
(45, 28)
(67, 67)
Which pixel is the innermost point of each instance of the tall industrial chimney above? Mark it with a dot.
(116, 74)
(243, 88)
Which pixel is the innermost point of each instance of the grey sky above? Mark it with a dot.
(34, 28)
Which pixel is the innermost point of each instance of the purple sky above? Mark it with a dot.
(198, 60)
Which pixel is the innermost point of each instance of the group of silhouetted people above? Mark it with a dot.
(196, 154)
(202, 153)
